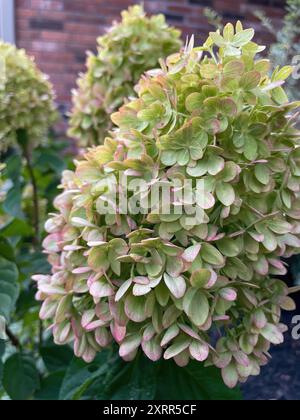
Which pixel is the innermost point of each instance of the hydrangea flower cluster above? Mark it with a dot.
(26, 98)
(175, 286)
(130, 48)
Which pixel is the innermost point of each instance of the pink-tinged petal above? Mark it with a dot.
(259, 319)
(272, 333)
(199, 351)
(118, 332)
(130, 344)
(71, 248)
(94, 325)
(48, 309)
(82, 270)
(76, 327)
(222, 360)
(52, 243)
(228, 294)
(212, 281)
(102, 337)
(177, 285)
(131, 356)
(41, 278)
(207, 325)
(135, 308)
(61, 332)
(170, 334)
(87, 317)
(191, 253)
(221, 318)
(140, 290)
(143, 281)
(51, 290)
(149, 333)
(182, 359)
(96, 243)
(230, 376)
(189, 331)
(117, 311)
(103, 312)
(241, 358)
(257, 236)
(123, 290)
(131, 223)
(101, 289)
(89, 355)
(152, 349)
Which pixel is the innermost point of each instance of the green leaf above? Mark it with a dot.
(262, 174)
(80, 375)
(50, 387)
(250, 80)
(229, 247)
(2, 349)
(135, 381)
(56, 357)
(217, 39)
(20, 377)
(8, 287)
(192, 383)
(242, 38)
(225, 193)
(283, 73)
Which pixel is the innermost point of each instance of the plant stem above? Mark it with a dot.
(24, 143)
(14, 340)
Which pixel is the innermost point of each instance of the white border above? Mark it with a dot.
(7, 21)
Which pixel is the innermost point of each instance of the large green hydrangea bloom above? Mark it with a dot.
(128, 50)
(26, 98)
(177, 286)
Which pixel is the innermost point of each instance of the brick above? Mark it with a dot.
(40, 23)
(59, 32)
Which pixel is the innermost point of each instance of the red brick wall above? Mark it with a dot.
(58, 32)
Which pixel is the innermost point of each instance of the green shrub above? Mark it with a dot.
(212, 121)
(26, 98)
(128, 50)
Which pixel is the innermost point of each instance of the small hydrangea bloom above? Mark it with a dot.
(128, 49)
(176, 286)
(26, 98)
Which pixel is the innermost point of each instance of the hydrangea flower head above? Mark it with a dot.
(26, 98)
(128, 50)
(194, 275)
